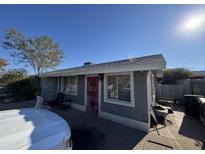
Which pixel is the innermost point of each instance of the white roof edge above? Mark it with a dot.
(153, 62)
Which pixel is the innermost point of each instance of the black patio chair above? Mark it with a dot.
(61, 101)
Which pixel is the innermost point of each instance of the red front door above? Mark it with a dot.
(92, 94)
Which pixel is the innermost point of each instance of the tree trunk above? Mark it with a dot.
(38, 86)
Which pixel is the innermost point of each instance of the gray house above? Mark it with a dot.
(120, 91)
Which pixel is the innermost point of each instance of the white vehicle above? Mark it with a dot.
(33, 128)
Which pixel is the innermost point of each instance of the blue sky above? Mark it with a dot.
(101, 33)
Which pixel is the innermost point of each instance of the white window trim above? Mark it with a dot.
(67, 92)
(119, 102)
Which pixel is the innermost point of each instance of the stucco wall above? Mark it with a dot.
(140, 111)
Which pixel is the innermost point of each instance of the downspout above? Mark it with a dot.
(59, 84)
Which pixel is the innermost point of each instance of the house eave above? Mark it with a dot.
(109, 70)
(153, 62)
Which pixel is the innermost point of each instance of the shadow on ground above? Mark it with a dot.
(89, 132)
(91, 138)
(17, 105)
(192, 128)
(86, 137)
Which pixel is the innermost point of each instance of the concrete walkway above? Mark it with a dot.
(180, 133)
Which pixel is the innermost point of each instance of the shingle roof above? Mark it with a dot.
(152, 62)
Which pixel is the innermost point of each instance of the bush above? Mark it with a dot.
(171, 76)
(12, 76)
(22, 89)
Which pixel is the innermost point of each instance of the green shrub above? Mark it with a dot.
(12, 76)
(22, 89)
(171, 76)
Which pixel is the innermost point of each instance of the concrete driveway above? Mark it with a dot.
(91, 132)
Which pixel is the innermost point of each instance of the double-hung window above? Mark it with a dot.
(71, 85)
(119, 89)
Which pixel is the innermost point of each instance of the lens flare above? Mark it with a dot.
(194, 23)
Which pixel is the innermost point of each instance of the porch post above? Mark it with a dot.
(99, 96)
(62, 84)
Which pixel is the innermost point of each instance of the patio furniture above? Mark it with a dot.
(61, 100)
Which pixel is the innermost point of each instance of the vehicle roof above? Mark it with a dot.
(30, 127)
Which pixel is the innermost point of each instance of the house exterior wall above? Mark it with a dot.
(80, 97)
(136, 117)
(49, 88)
(140, 111)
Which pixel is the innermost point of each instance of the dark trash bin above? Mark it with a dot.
(191, 104)
(202, 110)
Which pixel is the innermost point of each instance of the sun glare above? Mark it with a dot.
(194, 23)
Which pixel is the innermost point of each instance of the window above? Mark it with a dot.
(119, 89)
(71, 85)
(112, 87)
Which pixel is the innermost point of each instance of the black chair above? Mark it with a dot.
(61, 100)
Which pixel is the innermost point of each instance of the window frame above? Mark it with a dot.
(130, 103)
(67, 92)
